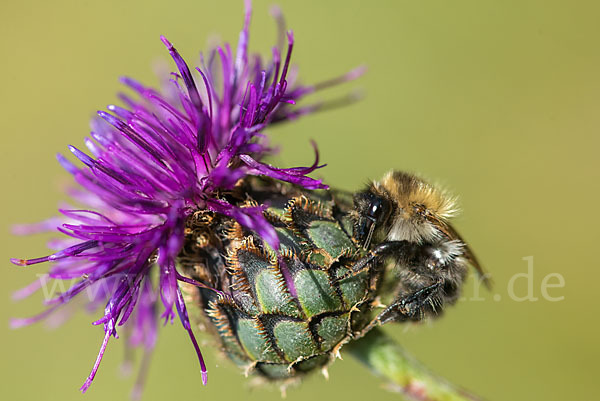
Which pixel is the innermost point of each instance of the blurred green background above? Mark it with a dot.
(496, 100)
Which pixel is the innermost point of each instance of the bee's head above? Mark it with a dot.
(401, 207)
(371, 213)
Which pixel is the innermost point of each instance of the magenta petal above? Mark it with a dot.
(90, 378)
(250, 217)
(292, 175)
(183, 316)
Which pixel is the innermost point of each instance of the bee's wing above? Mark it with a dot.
(450, 232)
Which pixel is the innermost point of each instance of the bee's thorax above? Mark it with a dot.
(417, 207)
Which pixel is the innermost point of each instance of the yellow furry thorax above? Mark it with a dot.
(408, 191)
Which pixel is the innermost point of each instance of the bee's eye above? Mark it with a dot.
(375, 208)
(371, 212)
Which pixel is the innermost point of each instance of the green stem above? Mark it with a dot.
(385, 358)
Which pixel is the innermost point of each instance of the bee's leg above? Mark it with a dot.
(413, 304)
(405, 308)
(381, 251)
(409, 307)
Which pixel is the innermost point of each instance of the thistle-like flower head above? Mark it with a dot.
(149, 166)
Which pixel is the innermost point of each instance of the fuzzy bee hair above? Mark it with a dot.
(419, 211)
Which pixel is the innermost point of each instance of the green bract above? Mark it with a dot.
(283, 313)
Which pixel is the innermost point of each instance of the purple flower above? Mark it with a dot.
(153, 163)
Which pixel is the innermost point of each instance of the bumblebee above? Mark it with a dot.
(405, 219)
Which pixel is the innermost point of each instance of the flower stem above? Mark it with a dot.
(387, 359)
